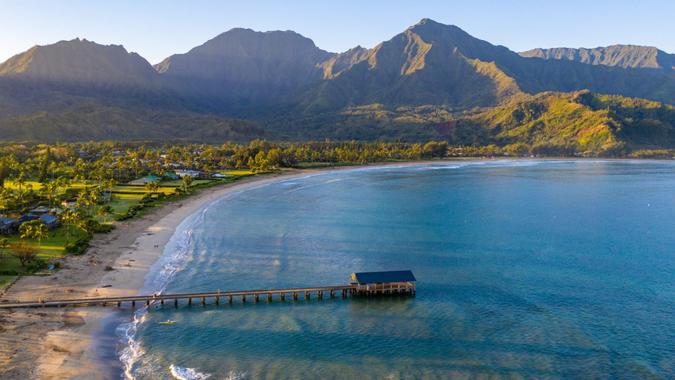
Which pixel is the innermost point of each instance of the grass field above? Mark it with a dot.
(37, 185)
(237, 172)
(51, 247)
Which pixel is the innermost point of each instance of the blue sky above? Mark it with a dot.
(156, 29)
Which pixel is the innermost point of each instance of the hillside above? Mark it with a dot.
(243, 65)
(580, 122)
(429, 81)
(624, 56)
(93, 121)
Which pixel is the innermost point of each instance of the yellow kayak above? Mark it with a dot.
(169, 322)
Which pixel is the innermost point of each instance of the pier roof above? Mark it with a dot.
(380, 277)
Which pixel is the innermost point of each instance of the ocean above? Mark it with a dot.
(526, 268)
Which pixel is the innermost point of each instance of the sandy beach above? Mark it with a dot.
(58, 343)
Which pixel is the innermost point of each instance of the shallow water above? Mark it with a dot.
(543, 269)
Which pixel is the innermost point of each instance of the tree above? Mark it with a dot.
(152, 187)
(69, 219)
(51, 191)
(4, 170)
(4, 243)
(34, 229)
(105, 211)
(24, 252)
(186, 182)
(44, 165)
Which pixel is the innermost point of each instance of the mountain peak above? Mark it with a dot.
(246, 63)
(79, 61)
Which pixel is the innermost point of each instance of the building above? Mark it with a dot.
(7, 225)
(69, 204)
(39, 210)
(171, 176)
(145, 180)
(188, 173)
(50, 221)
(389, 282)
(26, 218)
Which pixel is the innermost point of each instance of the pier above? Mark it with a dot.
(401, 283)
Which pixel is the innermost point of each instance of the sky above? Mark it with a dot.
(157, 29)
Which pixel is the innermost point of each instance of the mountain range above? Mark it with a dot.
(280, 85)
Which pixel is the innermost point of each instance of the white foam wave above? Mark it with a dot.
(160, 275)
(181, 373)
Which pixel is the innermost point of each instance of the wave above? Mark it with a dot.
(181, 373)
(159, 276)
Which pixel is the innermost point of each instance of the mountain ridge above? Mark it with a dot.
(280, 81)
(624, 56)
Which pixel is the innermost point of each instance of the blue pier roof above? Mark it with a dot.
(378, 277)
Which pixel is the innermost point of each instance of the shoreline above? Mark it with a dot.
(61, 343)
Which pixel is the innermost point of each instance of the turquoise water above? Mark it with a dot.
(539, 269)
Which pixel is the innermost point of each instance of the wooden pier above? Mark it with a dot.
(402, 288)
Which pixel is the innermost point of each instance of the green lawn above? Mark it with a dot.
(237, 172)
(52, 247)
(142, 190)
(5, 280)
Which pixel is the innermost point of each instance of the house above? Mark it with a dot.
(56, 211)
(50, 221)
(26, 218)
(389, 282)
(171, 176)
(69, 204)
(145, 180)
(39, 210)
(188, 173)
(219, 175)
(7, 225)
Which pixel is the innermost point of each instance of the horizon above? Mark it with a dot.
(155, 37)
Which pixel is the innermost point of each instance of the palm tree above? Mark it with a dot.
(34, 229)
(51, 191)
(186, 182)
(152, 187)
(69, 218)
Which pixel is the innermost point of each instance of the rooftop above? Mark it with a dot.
(379, 277)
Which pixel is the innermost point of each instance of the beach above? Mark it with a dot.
(59, 343)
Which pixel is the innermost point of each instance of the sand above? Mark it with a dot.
(59, 343)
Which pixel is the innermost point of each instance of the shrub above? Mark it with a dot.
(36, 265)
(131, 212)
(98, 228)
(24, 252)
(79, 246)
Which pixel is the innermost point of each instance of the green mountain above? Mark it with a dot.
(93, 121)
(432, 63)
(577, 122)
(430, 81)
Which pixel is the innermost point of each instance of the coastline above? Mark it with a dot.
(60, 343)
